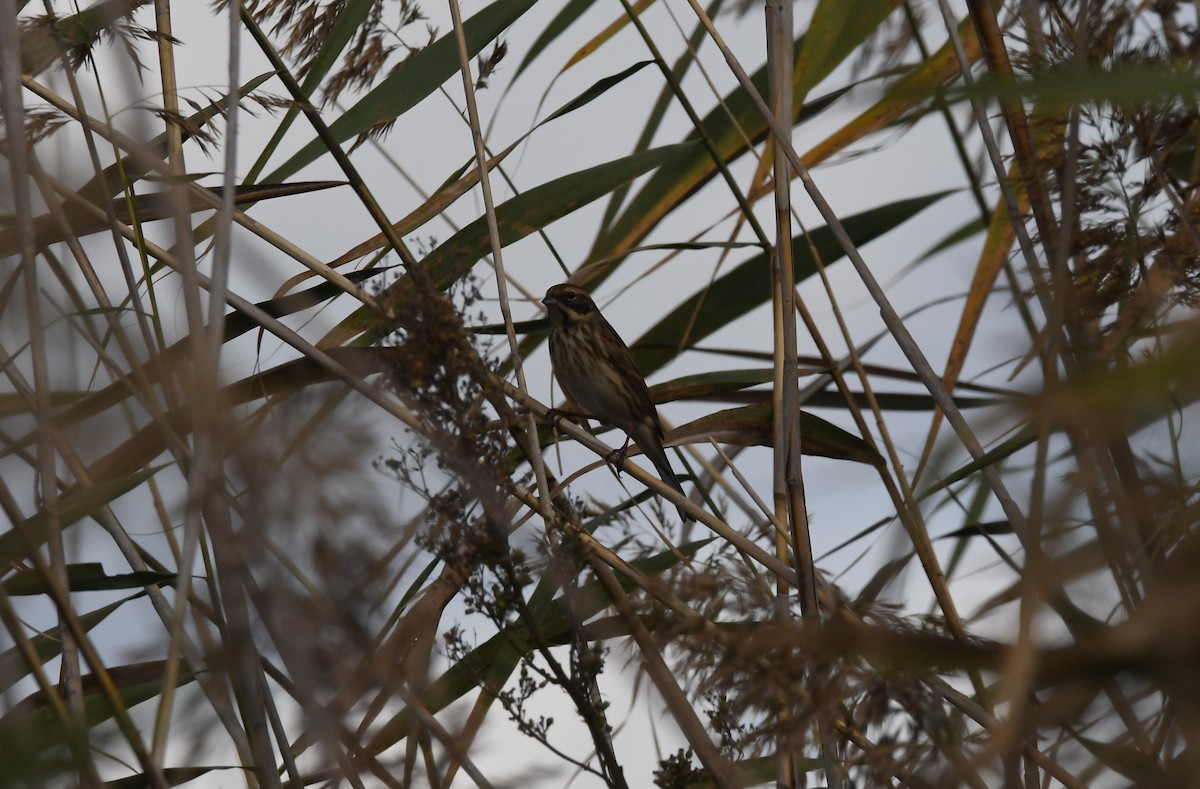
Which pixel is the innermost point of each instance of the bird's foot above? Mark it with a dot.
(555, 416)
(616, 458)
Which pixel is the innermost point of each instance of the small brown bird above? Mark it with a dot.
(596, 371)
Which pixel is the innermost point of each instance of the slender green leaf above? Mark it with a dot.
(882, 577)
(48, 645)
(419, 76)
(175, 776)
(523, 214)
(12, 403)
(466, 177)
(561, 22)
(748, 285)
(73, 506)
(490, 665)
(754, 426)
(836, 29)
(671, 186)
(903, 99)
(1123, 85)
(992, 528)
(731, 385)
(666, 99)
(861, 534)
(89, 577)
(1016, 443)
(49, 229)
(33, 723)
(968, 230)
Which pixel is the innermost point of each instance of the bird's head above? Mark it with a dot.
(568, 304)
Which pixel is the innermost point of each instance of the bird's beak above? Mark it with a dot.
(549, 300)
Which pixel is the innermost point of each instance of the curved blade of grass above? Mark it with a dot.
(861, 534)
(87, 577)
(969, 229)
(236, 324)
(898, 401)
(536, 208)
(669, 187)
(752, 426)
(882, 577)
(748, 286)
(48, 645)
(711, 384)
(490, 665)
(665, 98)
(459, 184)
(148, 208)
(73, 506)
(610, 30)
(412, 81)
(1124, 85)
(835, 30)
(32, 723)
(174, 776)
(1026, 436)
(977, 501)
(523, 214)
(901, 99)
(559, 24)
(731, 385)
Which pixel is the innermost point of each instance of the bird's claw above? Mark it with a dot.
(616, 458)
(555, 416)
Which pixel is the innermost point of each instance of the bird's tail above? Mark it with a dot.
(647, 439)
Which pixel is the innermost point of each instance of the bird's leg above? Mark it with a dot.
(616, 458)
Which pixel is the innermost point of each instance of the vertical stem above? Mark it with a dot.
(598, 725)
(205, 474)
(497, 253)
(783, 398)
(207, 467)
(790, 506)
(789, 479)
(887, 312)
(19, 152)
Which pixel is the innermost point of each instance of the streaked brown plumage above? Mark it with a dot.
(596, 372)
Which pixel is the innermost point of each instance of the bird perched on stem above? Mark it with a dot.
(596, 372)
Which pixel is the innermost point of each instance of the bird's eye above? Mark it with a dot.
(570, 297)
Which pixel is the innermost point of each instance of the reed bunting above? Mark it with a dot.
(596, 372)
